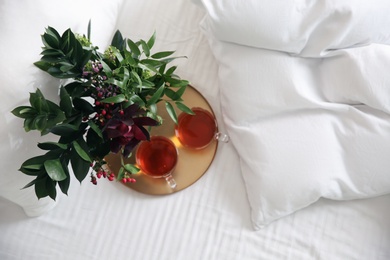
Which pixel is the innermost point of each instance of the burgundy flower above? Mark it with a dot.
(125, 129)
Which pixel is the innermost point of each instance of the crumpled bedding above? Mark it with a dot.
(305, 96)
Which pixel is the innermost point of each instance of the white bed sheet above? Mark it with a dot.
(210, 219)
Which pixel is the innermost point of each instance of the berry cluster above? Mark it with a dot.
(102, 173)
(93, 71)
(104, 112)
(127, 179)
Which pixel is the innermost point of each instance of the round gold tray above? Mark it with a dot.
(192, 164)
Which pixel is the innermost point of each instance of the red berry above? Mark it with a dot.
(124, 180)
(110, 178)
(104, 112)
(99, 174)
(93, 180)
(97, 103)
(112, 175)
(121, 112)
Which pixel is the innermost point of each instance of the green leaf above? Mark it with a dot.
(118, 55)
(42, 65)
(40, 122)
(38, 101)
(50, 41)
(147, 84)
(129, 59)
(136, 99)
(137, 78)
(133, 48)
(32, 172)
(80, 167)
(81, 152)
(65, 101)
(89, 30)
(64, 129)
(145, 48)
(176, 82)
(121, 174)
(95, 128)
(40, 189)
(51, 188)
(52, 146)
(64, 185)
(162, 69)
(84, 106)
(55, 115)
(171, 111)
(151, 40)
(67, 40)
(66, 67)
(115, 82)
(184, 108)
(156, 96)
(28, 124)
(172, 94)
(34, 165)
(54, 170)
(24, 112)
(131, 168)
(115, 99)
(117, 40)
(52, 52)
(163, 54)
(106, 68)
(53, 32)
(148, 67)
(86, 56)
(170, 70)
(75, 89)
(33, 182)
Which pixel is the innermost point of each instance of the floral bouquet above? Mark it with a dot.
(107, 104)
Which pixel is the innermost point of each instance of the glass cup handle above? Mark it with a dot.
(222, 137)
(171, 181)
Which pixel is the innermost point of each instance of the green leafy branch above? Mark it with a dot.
(65, 121)
(144, 77)
(127, 73)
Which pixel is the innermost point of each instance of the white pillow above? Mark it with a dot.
(21, 24)
(302, 27)
(306, 128)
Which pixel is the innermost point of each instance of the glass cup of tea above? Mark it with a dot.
(199, 130)
(157, 158)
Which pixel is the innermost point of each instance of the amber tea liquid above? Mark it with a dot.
(196, 131)
(157, 157)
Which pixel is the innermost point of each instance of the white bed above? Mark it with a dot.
(304, 176)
